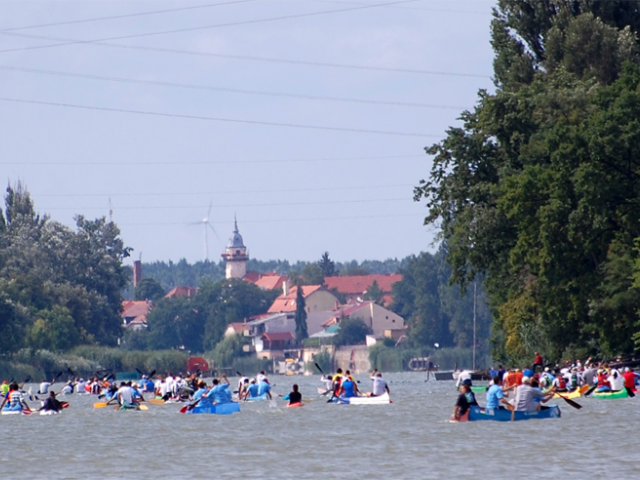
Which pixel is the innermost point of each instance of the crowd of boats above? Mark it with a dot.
(520, 394)
(511, 395)
(192, 391)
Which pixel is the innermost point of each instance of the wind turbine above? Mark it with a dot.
(206, 225)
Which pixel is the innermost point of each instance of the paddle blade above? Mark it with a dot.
(571, 402)
(99, 405)
(319, 369)
(27, 412)
(156, 401)
(64, 404)
(184, 409)
(584, 389)
(143, 407)
(153, 372)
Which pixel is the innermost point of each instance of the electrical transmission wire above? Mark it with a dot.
(127, 15)
(217, 119)
(225, 89)
(213, 162)
(241, 205)
(243, 192)
(208, 27)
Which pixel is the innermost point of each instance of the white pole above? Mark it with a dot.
(475, 290)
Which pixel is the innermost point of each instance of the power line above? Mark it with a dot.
(259, 59)
(114, 17)
(428, 9)
(207, 27)
(170, 194)
(212, 162)
(236, 205)
(224, 89)
(277, 220)
(217, 119)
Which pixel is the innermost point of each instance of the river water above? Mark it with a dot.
(410, 438)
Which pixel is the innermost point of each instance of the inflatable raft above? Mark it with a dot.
(610, 395)
(479, 413)
(220, 409)
(379, 400)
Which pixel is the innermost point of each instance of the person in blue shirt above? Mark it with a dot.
(495, 395)
(220, 390)
(348, 388)
(264, 388)
(252, 390)
(201, 395)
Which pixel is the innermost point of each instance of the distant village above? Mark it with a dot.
(272, 333)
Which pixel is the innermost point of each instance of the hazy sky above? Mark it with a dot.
(232, 130)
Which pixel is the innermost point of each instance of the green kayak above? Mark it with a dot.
(618, 394)
(480, 388)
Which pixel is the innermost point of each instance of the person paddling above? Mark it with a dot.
(220, 390)
(15, 399)
(379, 386)
(252, 390)
(496, 396)
(629, 381)
(264, 388)
(295, 397)
(463, 404)
(51, 404)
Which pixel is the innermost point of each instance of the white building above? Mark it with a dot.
(236, 255)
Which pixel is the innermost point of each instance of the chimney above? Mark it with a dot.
(137, 272)
(285, 288)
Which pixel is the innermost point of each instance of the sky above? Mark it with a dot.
(305, 119)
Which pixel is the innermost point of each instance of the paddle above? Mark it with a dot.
(239, 374)
(99, 405)
(189, 407)
(318, 367)
(143, 407)
(156, 401)
(590, 391)
(570, 402)
(583, 389)
(64, 404)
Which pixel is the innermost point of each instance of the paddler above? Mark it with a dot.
(15, 398)
(243, 383)
(44, 387)
(559, 383)
(355, 384)
(252, 390)
(201, 396)
(629, 381)
(124, 396)
(220, 390)
(328, 382)
(4, 389)
(496, 396)
(616, 380)
(463, 404)
(51, 403)
(379, 386)
(464, 378)
(526, 396)
(264, 388)
(294, 397)
(347, 388)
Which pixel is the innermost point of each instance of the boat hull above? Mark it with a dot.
(260, 398)
(380, 400)
(610, 395)
(478, 414)
(221, 409)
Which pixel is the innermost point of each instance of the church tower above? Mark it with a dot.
(236, 255)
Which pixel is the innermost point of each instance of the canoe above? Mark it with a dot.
(15, 411)
(611, 395)
(293, 405)
(575, 394)
(259, 398)
(48, 412)
(220, 409)
(379, 400)
(479, 413)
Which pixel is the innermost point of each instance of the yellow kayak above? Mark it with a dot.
(575, 394)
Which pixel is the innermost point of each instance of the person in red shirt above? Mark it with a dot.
(630, 381)
(537, 362)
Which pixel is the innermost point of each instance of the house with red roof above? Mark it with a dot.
(377, 318)
(134, 314)
(316, 298)
(265, 281)
(182, 292)
(354, 287)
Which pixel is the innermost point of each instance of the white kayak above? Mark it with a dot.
(49, 412)
(379, 400)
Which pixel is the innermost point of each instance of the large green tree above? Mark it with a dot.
(539, 188)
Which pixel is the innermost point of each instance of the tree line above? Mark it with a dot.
(539, 190)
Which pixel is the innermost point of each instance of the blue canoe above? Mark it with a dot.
(220, 409)
(259, 398)
(478, 413)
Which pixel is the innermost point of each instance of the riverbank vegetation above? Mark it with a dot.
(538, 190)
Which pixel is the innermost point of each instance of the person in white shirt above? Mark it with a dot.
(241, 385)
(379, 387)
(125, 394)
(464, 378)
(260, 377)
(328, 382)
(80, 386)
(44, 387)
(616, 380)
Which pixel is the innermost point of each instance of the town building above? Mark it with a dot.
(235, 255)
(316, 298)
(134, 314)
(354, 287)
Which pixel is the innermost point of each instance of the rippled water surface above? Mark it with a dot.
(410, 438)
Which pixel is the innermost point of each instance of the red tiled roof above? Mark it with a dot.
(265, 281)
(238, 327)
(358, 284)
(276, 336)
(133, 308)
(287, 303)
(251, 277)
(183, 292)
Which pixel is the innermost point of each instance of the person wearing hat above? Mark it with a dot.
(252, 390)
(526, 396)
(51, 403)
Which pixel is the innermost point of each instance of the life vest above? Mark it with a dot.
(602, 381)
(574, 380)
(562, 385)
